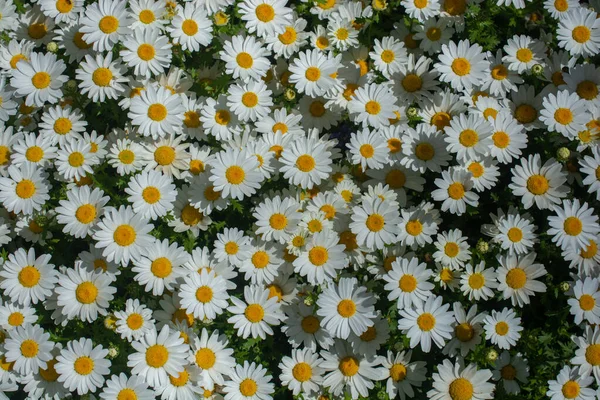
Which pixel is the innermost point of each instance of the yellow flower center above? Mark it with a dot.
(16, 319)
(310, 324)
(278, 221)
(108, 24)
(349, 366)
(570, 389)
(235, 175)
(375, 222)
(157, 112)
(49, 374)
(305, 163)
(407, 283)
(265, 12)
(204, 294)
(346, 308)
(37, 30)
(563, 116)
(537, 184)
(451, 249)
(289, 36)
(317, 109)
(161, 267)
(412, 83)
(181, 380)
(126, 156)
(25, 189)
(468, 138)
(260, 259)
(312, 74)
(426, 322)
(414, 227)
(86, 213)
(147, 17)
(572, 226)
(76, 159)
(151, 194)
(189, 27)
(15, 59)
(102, 77)
(516, 278)
(157, 356)
(561, 5)
(318, 255)
(84, 365)
(41, 80)
(476, 281)
(590, 251)
(587, 90)
(501, 328)
(524, 55)
(190, 215)
(367, 150)
(456, 191)
(124, 235)
(29, 276)
(587, 302)
(248, 387)
(525, 113)
(581, 34)
(372, 107)
(461, 66)
(196, 167)
(134, 321)
(342, 34)
(461, 389)
(244, 60)
(464, 332)
(501, 139)
(29, 348)
(222, 117)
(250, 99)
(164, 155)
(592, 354)
(398, 372)
(254, 313)
(515, 235)
(441, 120)
(205, 358)
(86, 292)
(424, 151)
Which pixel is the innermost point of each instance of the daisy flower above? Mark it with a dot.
(234, 174)
(160, 265)
(29, 348)
(415, 227)
(75, 160)
(354, 308)
(503, 328)
(101, 77)
(27, 279)
(587, 355)
(452, 249)
(422, 9)
(249, 101)
(12, 316)
(211, 354)
(511, 370)
(542, 184)
(265, 17)
(372, 105)
(81, 211)
(151, 194)
(301, 372)
(245, 58)
(579, 32)
(25, 190)
(368, 149)
(306, 162)
(388, 55)
(256, 314)
(424, 149)
(321, 257)
(454, 190)
(427, 322)
(414, 81)
(291, 40)
(232, 246)
(81, 366)
(32, 149)
(564, 113)
(123, 234)
(125, 156)
(468, 136)
(147, 15)
(402, 374)
(455, 381)
(574, 226)
(157, 112)
(276, 219)
(467, 331)
(462, 65)
(517, 278)
(119, 386)
(168, 155)
(407, 281)
(478, 282)
(190, 27)
(39, 80)
(508, 139)
(135, 321)
(249, 381)
(374, 223)
(586, 301)
(218, 120)
(158, 354)
(204, 295)
(62, 124)
(433, 33)
(523, 52)
(570, 384)
(147, 52)
(104, 23)
(515, 234)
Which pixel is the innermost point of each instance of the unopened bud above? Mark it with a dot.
(221, 18)
(537, 69)
(483, 246)
(113, 352)
(563, 154)
(412, 112)
(379, 5)
(492, 355)
(309, 301)
(289, 94)
(52, 47)
(110, 322)
(565, 286)
(71, 85)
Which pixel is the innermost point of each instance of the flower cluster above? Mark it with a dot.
(254, 199)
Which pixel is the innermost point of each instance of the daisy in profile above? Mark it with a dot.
(477, 282)
(160, 266)
(249, 381)
(462, 65)
(427, 322)
(372, 105)
(374, 223)
(301, 372)
(211, 354)
(349, 373)
(511, 371)
(39, 80)
(523, 52)
(564, 113)
(135, 321)
(537, 183)
(204, 295)
(27, 279)
(368, 149)
(81, 367)
(119, 387)
(81, 211)
(571, 384)
(574, 226)
(587, 355)
(105, 23)
(306, 162)
(311, 72)
(402, 374)
(234, 174)
(517, 278)
(579, 32)
(151, 194)
(346, 307)
(457, 382)
(28, 348)
(158, 355)
(407, 282)
(123, 234)
(101, 77)
(586, 301)
(84, 294)
(157, 112)
(503, 328)
(245, 58)
(452, 249)
(190, 27)
(454, 190)
(256, 314)
(265, 17)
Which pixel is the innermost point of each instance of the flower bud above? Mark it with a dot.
(52, 47)
(537, 69)
(565, 286)
(563, 154)
(492, 355)
(412, 112)
(483, 246)
(110, 322)
(289, 94)
(71, 85)
(113, 352)
(221, 18)
(379, 5)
